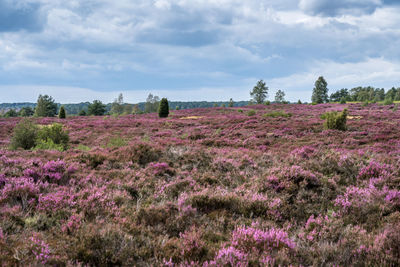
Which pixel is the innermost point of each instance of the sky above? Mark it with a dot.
(193, 50)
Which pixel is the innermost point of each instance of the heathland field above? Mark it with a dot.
(256, 186)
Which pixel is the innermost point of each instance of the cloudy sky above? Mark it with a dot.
(81, 50)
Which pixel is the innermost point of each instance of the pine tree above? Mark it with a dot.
(97, 108)
(320, 91)
(45, 106)
(231, 103)
(259, 92)
(61, 113)
(163, 108)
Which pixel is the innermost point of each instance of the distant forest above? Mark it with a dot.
(74, 109)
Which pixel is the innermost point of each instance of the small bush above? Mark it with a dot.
(48, 145)
(53, 134)
(24, 135)
(267, 103)
(143, 154)
(365, 103)
(388, 101)
(82, 113)
(336, 120)
(275, 114)
(240, 110)
(251, 113)
(343, 100)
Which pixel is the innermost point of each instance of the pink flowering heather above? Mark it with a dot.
(249, 238)
(207, 187)
(40, 249)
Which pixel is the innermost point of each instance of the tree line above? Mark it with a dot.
(259, 94)
(46, 106)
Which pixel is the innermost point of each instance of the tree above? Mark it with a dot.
(117, 107)
(163, 109)
(320, 91)
(152, 103)
(11, 113)
(280, 96)
(128, 109)
(26, 112)
(338, 95)
(231, 103)
(97, 108)
(45, 106)
(260, 92)
(136, 109)
(61, 113)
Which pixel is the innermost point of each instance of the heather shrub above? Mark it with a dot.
(143, 154)
(106, 246)
(250, 246)
(40, 222)
(361, 206)
(193, 247)
(92, 159)
(211, 202)
(390, 244)
(24, 135)
(342, 167)
(19, 191)
(336, 120)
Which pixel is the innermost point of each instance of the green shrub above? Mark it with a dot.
(61, 113)
(267, 102)
(24, 135)
(251, 113)
(299, 102)
(343, 100)
(240, 110)
(82, 113)
(365, 103)
(388, 101)
(163, 108)
(336, 120)
(48, 145)
(275, 114)
(53, 133)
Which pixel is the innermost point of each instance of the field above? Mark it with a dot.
(207, 187)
